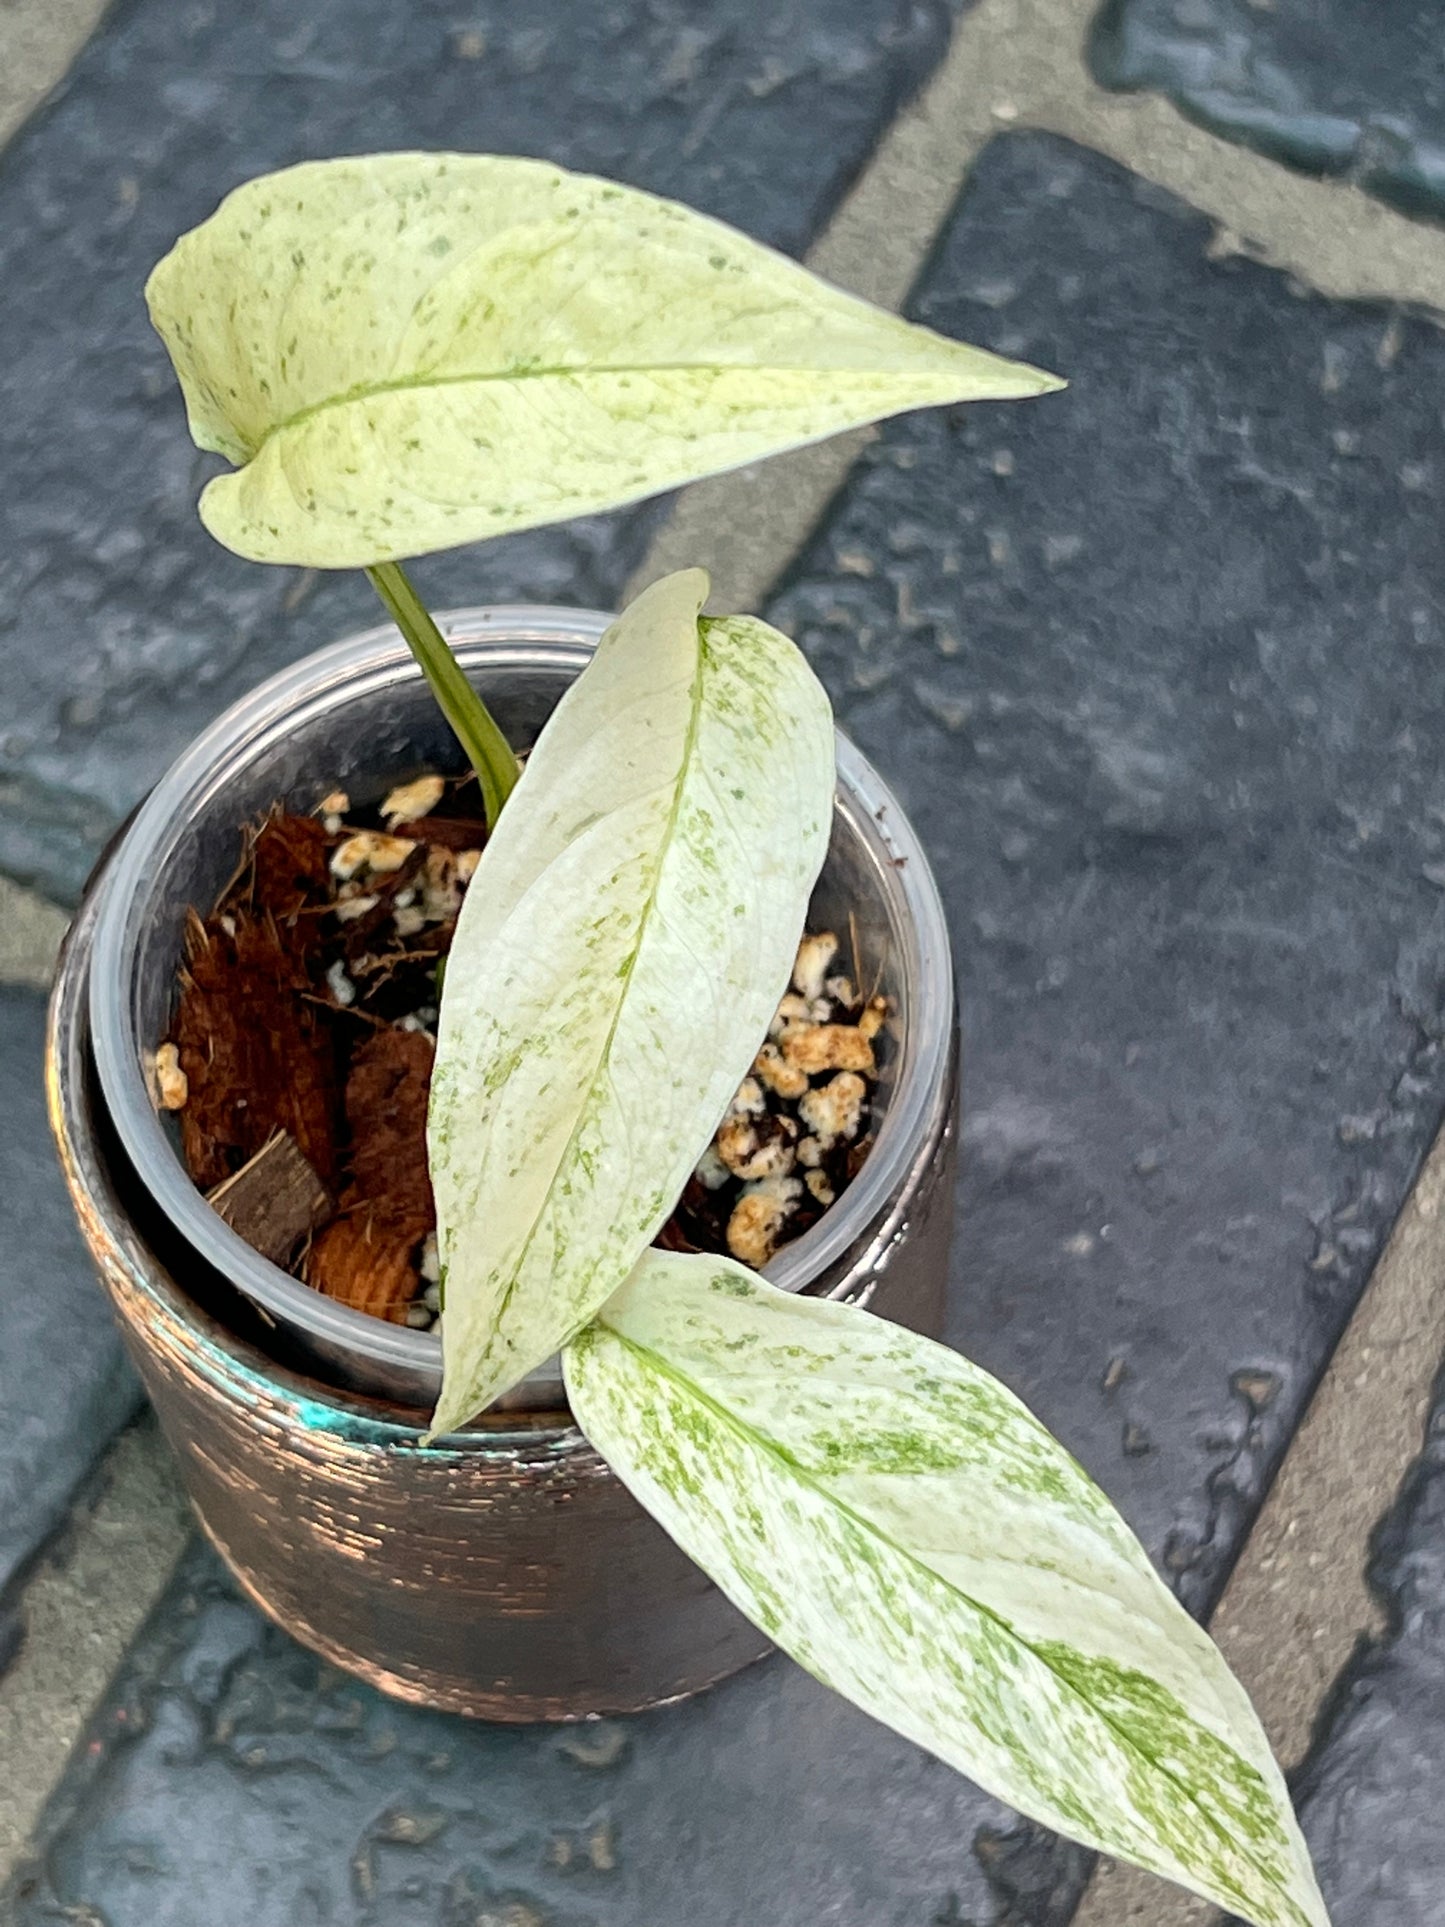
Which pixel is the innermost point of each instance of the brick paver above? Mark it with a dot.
(1143, 659)
(1352, 89)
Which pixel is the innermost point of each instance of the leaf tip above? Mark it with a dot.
(451, 1414)
(1026, 382)
(686, 584)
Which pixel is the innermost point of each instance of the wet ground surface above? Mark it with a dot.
(1152, 665)
(232, 1777)
(1353, 89)
(1148, 662)
(1184, 799)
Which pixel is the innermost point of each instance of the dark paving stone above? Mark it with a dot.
(1152, 665)
(234, 1779)
(123, 627)
(1370, 1795)
(64, 1387)
(1349, 88)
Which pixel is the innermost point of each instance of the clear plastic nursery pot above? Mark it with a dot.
(502, 1571)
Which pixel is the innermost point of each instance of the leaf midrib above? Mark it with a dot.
(408, 384)
(604, 1056)
(773, 1449)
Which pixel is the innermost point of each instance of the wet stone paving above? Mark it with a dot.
(1183, 801)
(232, 1776)
(1183, 798)
(1152, 667)
(1354, 89)
(765, 127)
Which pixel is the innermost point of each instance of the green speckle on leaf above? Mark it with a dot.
(604, 998)
(907, 1530)
(730, 347)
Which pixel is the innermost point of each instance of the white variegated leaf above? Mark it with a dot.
(623, 944)
(402, 352)
(902, 1526)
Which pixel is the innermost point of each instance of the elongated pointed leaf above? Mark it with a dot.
(897, 1521)
(624, 942)
(408, 351)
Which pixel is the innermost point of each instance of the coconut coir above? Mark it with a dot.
(308, 1003)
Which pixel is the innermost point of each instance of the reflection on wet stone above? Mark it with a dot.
(1348, 88)
(231, 1773)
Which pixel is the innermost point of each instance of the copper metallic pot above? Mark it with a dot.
(504, 1571)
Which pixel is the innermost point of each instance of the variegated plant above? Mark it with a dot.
(403, 352)
(680, 800)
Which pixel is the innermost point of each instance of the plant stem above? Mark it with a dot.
(487, 749)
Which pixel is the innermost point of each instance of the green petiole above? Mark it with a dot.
(486, 748)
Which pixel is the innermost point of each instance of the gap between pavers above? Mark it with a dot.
(38, 41)
(84, 1604)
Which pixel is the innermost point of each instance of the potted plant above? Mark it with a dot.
(404, 352)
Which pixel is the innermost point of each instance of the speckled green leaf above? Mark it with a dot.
(897, 1521)
(624, 942)
(406, 351)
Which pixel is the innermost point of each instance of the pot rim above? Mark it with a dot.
(359, 664)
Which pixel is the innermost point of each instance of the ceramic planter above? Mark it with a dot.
(503, 1571)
